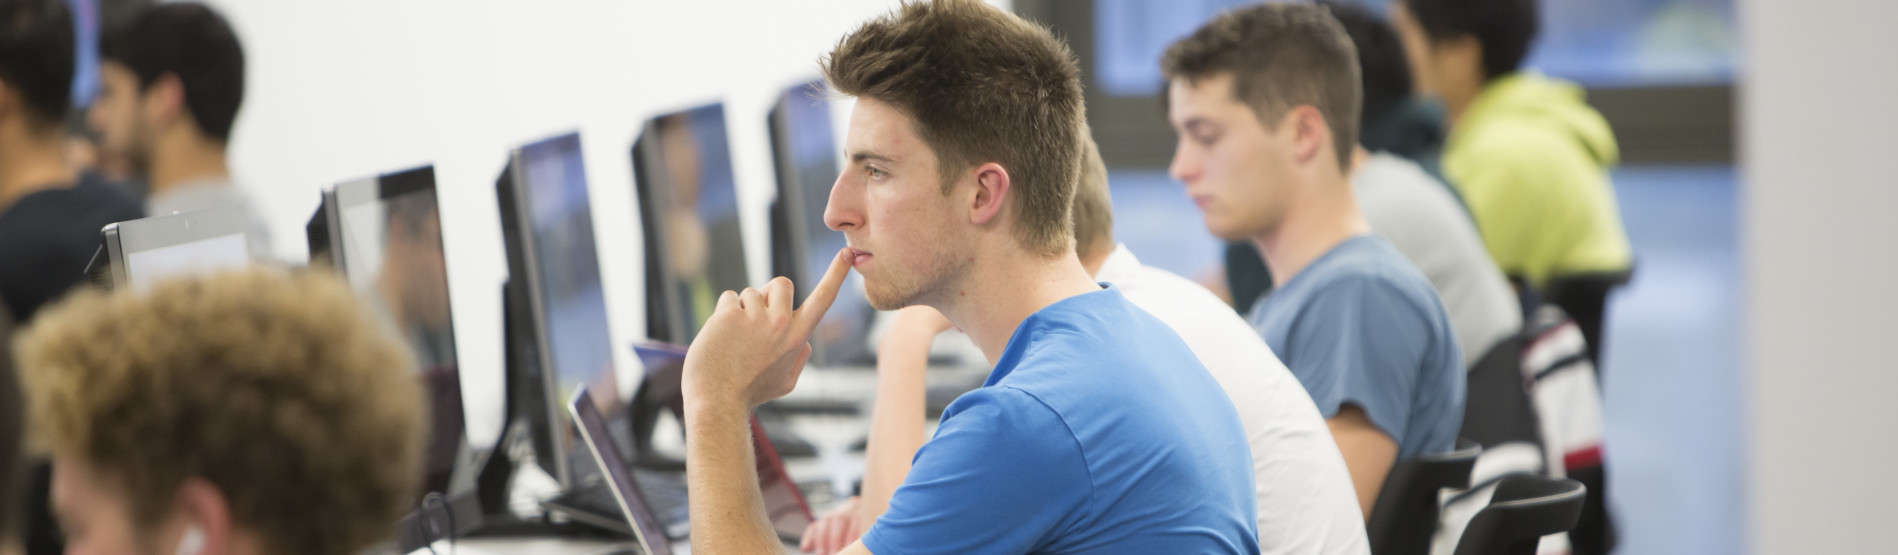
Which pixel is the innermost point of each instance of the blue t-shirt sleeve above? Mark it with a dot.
(1004, 474)
(1362, 342)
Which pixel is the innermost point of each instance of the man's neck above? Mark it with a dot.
(1006, 287)
(1457, 100)
(1325, 218)
(1097, 255)
(31, 162)
(184, 160)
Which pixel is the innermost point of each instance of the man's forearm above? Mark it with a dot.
(896, 423)
(727, 510)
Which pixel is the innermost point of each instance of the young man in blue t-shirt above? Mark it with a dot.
(1098, 430)
(1266, 101)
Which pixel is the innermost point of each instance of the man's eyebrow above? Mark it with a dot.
(1197, 123)
(861, 155)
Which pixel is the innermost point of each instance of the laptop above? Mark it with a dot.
(660, 484)
(137, 254)
(635, 514)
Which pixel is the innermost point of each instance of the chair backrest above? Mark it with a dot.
(1585, 298)
(1522, 511)
(1405, 515)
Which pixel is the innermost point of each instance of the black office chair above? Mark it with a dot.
(1522, 511)
(1405, 515)
(1584, 297)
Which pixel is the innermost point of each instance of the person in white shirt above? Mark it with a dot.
(1306, 501)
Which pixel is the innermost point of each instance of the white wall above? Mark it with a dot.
(1821, 231)
(347, 88)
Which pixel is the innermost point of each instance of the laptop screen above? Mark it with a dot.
(647, 530)
(182, 244)
(147, 268)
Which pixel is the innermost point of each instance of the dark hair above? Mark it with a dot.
(36, 56)
(1384, 70)
(1504, 28)
(194, 43)
(981, 85)
(1280, 56)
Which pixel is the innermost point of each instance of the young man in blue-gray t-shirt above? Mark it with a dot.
(1098, 431)
(1266, 101)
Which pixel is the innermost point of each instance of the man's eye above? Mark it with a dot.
(877, 174)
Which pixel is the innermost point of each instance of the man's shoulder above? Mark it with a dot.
(1007, 413)
(1158, 291)
(83, 206)
(1373, 275)
(1366, 262)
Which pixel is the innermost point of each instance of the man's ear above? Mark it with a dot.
(992, 188)
(1309, 132)
(202, 505)
(164, 100)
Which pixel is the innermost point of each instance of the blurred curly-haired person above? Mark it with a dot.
(241, 413)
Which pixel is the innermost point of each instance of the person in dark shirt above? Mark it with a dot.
(49, 218)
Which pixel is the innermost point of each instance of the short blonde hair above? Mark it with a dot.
(279, 388)
(1093, 203)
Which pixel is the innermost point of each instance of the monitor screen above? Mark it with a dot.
(391, 238)
(806, 149)
(690, 199)
(566, 268)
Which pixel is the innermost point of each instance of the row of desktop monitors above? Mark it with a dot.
(384, 235)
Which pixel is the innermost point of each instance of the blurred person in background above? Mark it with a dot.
(1404, 201)
(1532, 161)
(1530, 157)
(1266, 101)
(49, 218)
(235, 414)
(171, 81)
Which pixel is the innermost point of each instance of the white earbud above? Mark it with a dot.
(193, 541)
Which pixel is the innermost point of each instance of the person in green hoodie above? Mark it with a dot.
(1530, 158)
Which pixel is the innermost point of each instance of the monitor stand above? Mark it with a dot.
(526, 440)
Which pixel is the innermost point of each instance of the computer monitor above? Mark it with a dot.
(804, 149)
(140, 253)
(384, 235)
(547, 226)
(688, 206)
